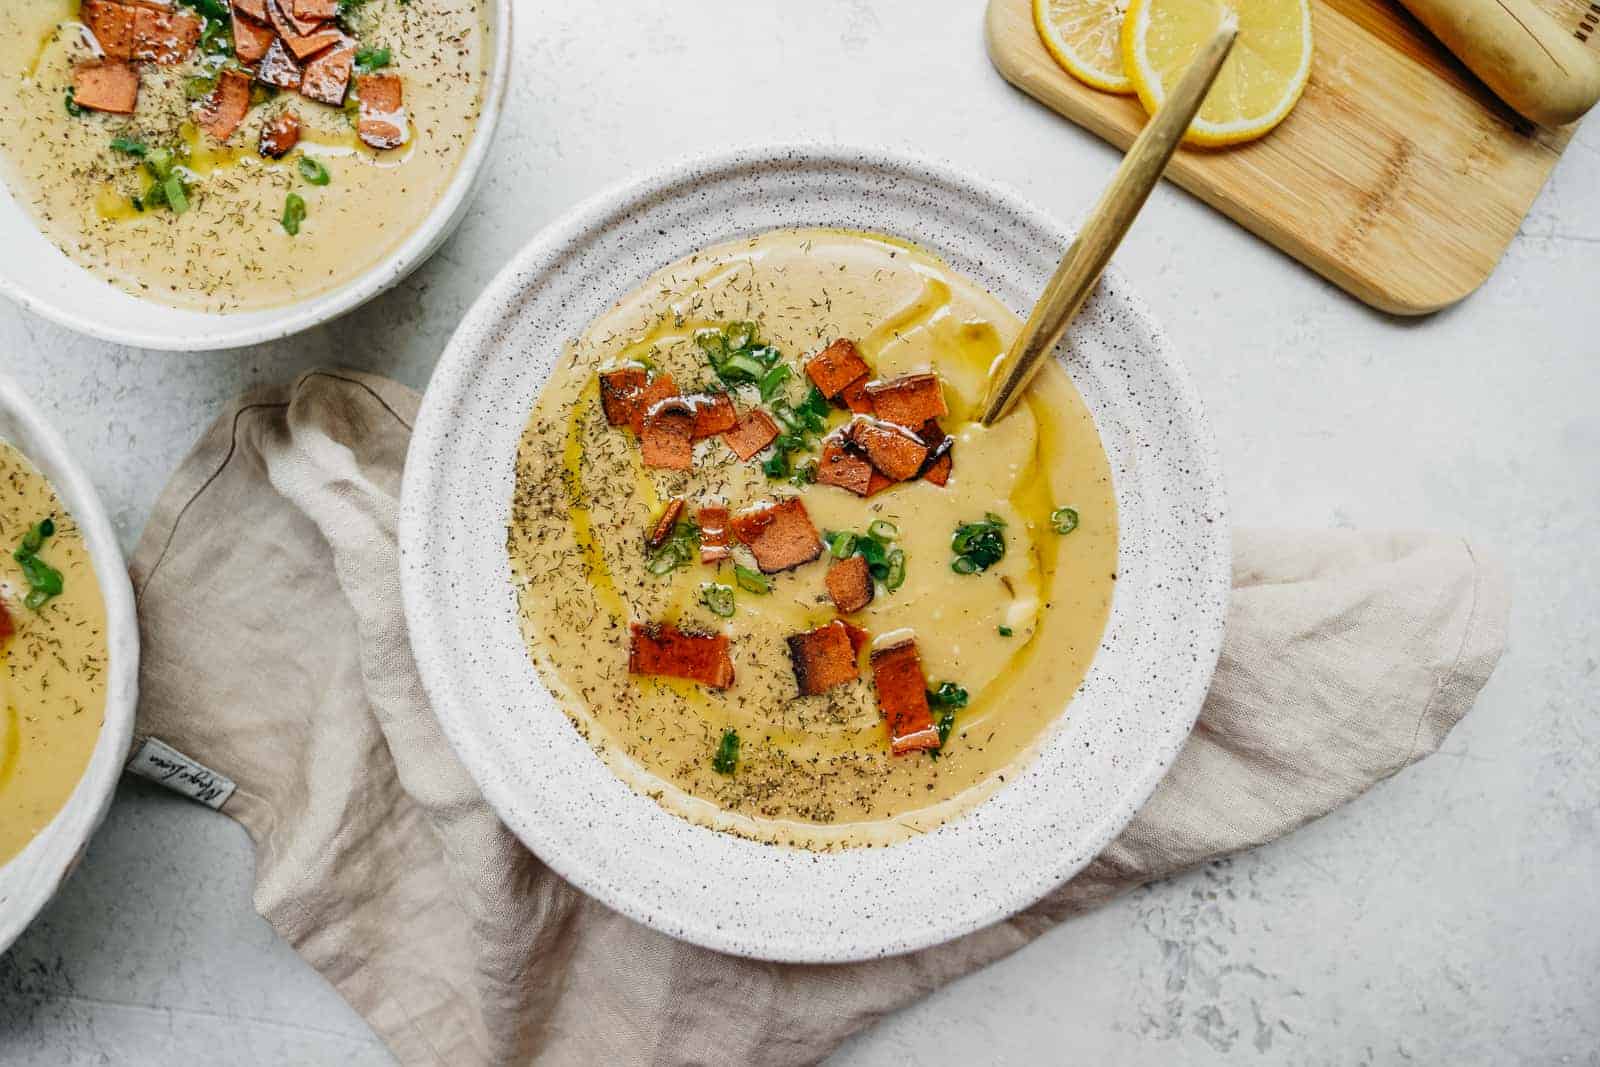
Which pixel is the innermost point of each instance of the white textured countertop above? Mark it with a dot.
(1448, 916)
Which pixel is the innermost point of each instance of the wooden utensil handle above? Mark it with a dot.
(1529, 59)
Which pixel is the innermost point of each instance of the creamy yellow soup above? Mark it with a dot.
(230, 249)
(813, 771)
(52, 663)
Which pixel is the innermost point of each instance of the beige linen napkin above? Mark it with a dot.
(275, 653)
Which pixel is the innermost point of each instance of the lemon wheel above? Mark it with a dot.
(1085, 37)
(1258, 85)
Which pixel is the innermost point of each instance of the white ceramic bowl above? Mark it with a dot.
(1099, 762)
(32, 877)
(40, 277)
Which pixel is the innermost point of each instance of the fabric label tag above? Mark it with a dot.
(162, 763)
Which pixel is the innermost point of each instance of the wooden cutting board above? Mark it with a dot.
(1398, 176)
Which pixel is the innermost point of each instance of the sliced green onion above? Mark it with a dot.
(1005, 631)
(883, 530)
(177, 199)
(718, 599)
(964, 565)
(805, 474)
(751, 581)
(1064, 520)
(740, 367)
(294, 213)
(726, 758)
(739, 334)
(129, 147)
(313, 171)
(371, 59)
(74, 108)
(895, 575)
(712, 343)
(842, 544)
(948, 695)
(771, 383)
(665, 563)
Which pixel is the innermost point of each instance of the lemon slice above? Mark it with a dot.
(1258, 85)
(1085, 37)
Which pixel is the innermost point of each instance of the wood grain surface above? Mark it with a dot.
(1399, 177)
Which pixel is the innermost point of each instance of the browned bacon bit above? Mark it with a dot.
(894, 451)
(7, 627)
(850, 584)
(109, 85)
(250, 41)
(278, 68)
(280, 135)
(111, 24)
(664, 524)
(903, 698)
(713, 414)
(383, 123)
(936, 468)
(714, 535)
(667, 439)
(780, 535)
(659, 649)
(908, 401)
(842, 466)
(659, 388)
(620, 393)
(225, 108)
(165, 36)
(836, 366)
(753, 433)
(326, 77)
(823, 658)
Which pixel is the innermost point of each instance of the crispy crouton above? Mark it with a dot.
(879, 483)
(280, 13)
(620, 393)
(667, 438)
(936, 468)
(312, 44)
(858, 636)
(278, 68)
(713, 414)
(308, 11)
(842, 466)
(250, 41)
(110, 85)
(908, 401)
(383, 123)
(836, 367)
(279, 136)
(779, 534)
(753, 433)
(664, 524)
(894, 451)
(903, 697)
(165, 36)
(111, 25)
(659, 388)
(658, 649)
(823, 658)
(225, 108)
(714, 535)
(850, 585)
(256, 9)
(325, 78)
(855, 396)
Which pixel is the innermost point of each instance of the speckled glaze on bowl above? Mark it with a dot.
(40, 277)
(1098, 764)
(32, 876)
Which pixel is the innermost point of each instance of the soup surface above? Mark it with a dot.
(52, 657)
(715, 679)
(216, 190)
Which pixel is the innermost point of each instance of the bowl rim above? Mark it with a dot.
(624, 199)
(47, 450)
(214, 334)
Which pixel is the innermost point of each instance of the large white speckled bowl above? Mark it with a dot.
(39, 276)
(32, 877)
(1097, 766)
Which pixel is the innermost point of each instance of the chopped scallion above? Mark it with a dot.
(1064, 520)
(294, 213)
(313, 171)
(726, 758)
(718, 599)
(751, 581)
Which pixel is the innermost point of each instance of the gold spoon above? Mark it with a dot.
(1103, 231)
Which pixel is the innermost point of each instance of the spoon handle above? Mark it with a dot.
(1103, 231)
